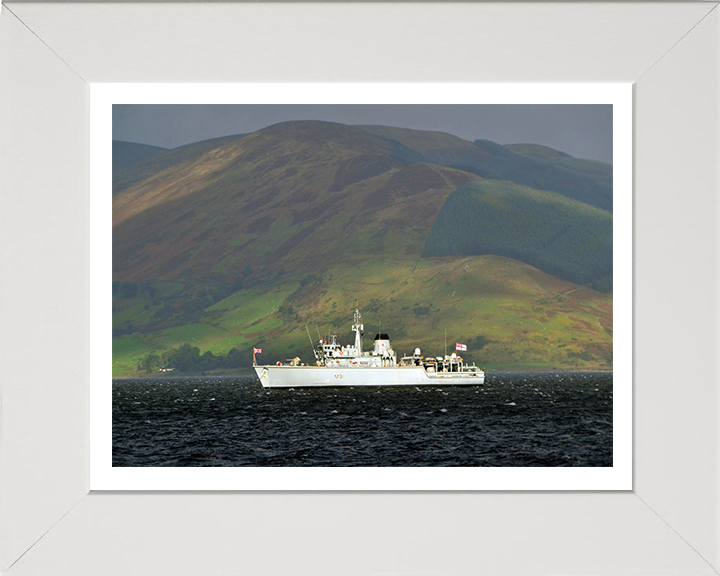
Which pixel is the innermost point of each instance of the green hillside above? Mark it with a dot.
(535, 166)
(242, 241)
(562, 237)
(511, 316)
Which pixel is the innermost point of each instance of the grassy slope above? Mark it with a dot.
(530, 320)
(560, 236)
(530, 165)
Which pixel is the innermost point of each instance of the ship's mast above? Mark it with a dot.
(358, 328)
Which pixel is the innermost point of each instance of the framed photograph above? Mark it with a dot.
(68, 508)
(225, 249)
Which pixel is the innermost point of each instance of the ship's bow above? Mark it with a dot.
(263, 376)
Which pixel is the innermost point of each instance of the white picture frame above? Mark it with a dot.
(668, 524)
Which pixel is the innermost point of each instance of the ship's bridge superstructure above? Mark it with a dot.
(330, 353)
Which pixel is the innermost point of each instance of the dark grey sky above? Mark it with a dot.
(583, 131)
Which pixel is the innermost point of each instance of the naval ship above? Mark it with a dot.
(339, 366)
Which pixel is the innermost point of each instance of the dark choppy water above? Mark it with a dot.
(514, 420)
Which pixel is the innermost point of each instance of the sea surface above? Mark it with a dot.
(513, 420)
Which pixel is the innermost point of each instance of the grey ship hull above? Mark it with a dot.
(325, 376)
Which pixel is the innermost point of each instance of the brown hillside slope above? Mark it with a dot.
(311, 189)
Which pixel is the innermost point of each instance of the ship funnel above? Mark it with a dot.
(382, 345)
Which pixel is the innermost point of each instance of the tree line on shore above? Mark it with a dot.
(187, 358)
